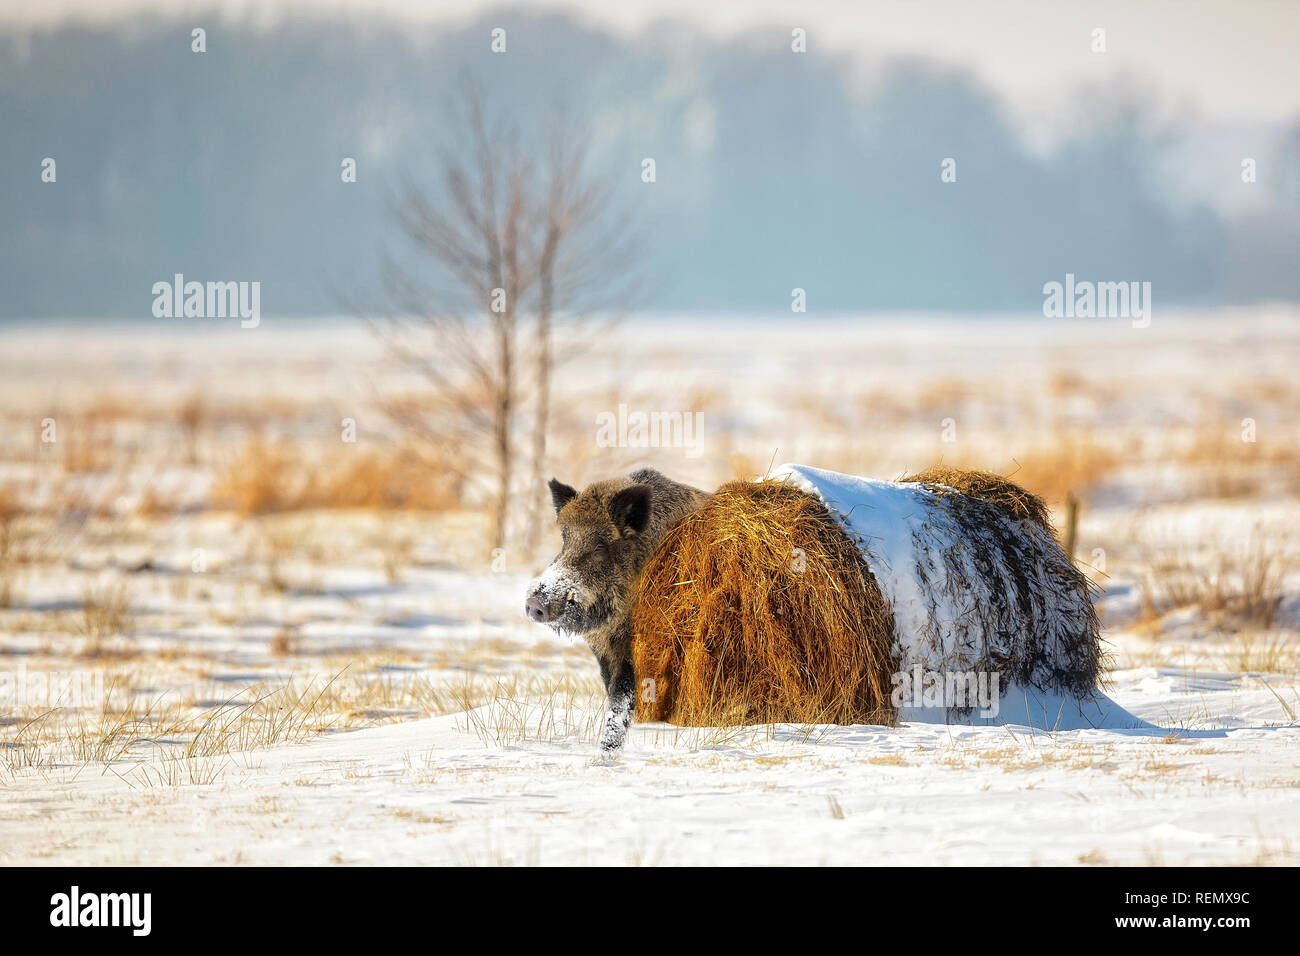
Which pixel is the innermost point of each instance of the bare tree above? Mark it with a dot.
(460, 331)
(515, 247)
(584, 261)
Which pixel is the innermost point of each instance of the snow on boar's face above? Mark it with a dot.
(588, 584)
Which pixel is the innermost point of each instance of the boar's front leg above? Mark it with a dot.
(620, 686)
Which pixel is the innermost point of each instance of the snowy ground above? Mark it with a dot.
(449, 789)
(359, 685)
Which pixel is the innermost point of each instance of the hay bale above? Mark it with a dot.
(760, 608)
(801, 598)
(986, 486)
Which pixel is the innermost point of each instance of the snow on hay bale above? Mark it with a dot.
(799, 598)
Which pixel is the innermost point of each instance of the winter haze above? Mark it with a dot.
(774, 171)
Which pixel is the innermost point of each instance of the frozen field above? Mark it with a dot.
(512, 783)
(200, 667)
(518, 784)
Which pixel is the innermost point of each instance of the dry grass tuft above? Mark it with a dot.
(284, 643)
(105, 612)
(986, 486)
(1271, 653)
(759, 609)
(88, 443)
(267, 477)
(1237, 589)
(1071, 466)
(263, 478)
(10, 512)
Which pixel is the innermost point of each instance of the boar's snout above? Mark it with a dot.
(536, 609)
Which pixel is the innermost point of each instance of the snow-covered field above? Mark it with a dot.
(446, 789)
(358, 684)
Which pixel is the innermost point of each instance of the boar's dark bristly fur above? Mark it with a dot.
(608, 530)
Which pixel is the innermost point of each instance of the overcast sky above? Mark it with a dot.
(1225, 60)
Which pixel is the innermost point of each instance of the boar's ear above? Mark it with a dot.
(561, 494)
(630, 509)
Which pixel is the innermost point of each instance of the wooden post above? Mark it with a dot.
(1071, 524)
